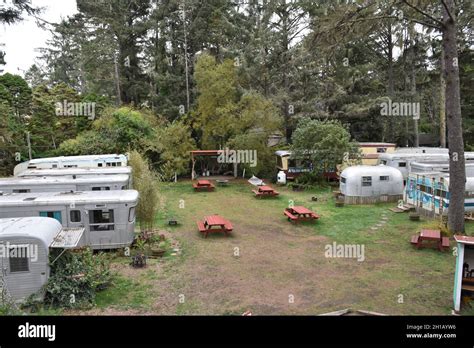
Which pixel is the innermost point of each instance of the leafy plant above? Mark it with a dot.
(76, 277)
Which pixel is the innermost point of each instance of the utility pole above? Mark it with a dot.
(29, 144)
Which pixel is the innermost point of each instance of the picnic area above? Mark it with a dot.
(265, 260)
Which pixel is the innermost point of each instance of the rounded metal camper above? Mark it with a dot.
(24, 255)
(371, 184)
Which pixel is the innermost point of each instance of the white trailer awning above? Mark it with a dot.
(69, 238)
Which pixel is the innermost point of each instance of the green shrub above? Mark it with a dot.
(76, 277)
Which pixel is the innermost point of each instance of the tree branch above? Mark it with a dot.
(447, 10)
(441, 25)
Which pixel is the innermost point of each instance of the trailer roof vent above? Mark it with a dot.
(29, 199)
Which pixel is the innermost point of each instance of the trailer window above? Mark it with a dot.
(52, 214)
(384, 178)
(402, 164)
(343, 180)
(101, 220)
(18, 257)
(131, 214)
(21, 191)
(384, 162)
(366, 181)
(99, 164)
(381, 150)
(75, 215)
(101, 188)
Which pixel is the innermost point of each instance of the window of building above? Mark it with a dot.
(18, 257)
(75, 215)
(366, 181)
(52, 214)
(131, 214)
(21, 191)
(381, 150)
(101, 220)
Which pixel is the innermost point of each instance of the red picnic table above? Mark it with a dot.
(265, 191)
(430, 236)
(300, 213)
(214, 223)
(203, 185)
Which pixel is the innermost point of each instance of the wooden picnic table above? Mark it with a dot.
(214, 223)
(265, 191)
(300, 213)
(430, 236)
(203, 185)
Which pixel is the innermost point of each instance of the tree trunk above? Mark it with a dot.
(457, 171)
(442, 102)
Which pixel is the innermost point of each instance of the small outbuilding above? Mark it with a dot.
(371, 184)
(464, 274)
(24, 253)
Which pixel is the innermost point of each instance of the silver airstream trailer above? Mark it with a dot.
(403, 160)
(107, 216)
(24, 253)
(88, 161)
(62, 184)
(77, 172)
(371, 184)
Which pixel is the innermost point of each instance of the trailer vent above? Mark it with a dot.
(30, 199)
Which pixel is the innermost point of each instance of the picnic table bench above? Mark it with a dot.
(419, 240)
(214, 223)
(300, 213)
(265, 191)
(203, 185)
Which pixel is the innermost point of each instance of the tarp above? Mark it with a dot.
(256, 181)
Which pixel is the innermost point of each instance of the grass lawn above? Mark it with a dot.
(270, 266)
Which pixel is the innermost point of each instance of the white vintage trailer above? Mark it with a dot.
(438, 166)
(24, 253)
(89, 161)
(403, 160)
(429, 150)
(371, 184)
(107, 216)
(429, 193)
(78, 172)
(63, 184)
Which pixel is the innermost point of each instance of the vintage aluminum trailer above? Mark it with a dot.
(107, 216)
(371, 184)
(63, 184)
(78, 172)
(88, 161)
(24, 253)
(438, 166)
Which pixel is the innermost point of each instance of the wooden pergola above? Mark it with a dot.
(207, 153)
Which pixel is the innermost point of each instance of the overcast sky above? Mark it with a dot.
(22, 38)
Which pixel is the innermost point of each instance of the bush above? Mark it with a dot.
(144, 181)
(76, 277)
